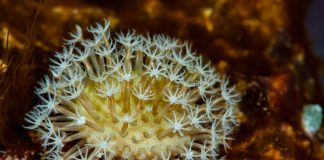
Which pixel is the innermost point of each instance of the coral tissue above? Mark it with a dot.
(134, 97)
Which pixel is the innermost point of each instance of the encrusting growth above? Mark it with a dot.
(132, 97)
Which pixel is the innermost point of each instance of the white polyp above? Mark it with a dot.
(114, 96)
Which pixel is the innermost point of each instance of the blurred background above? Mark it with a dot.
(272, 49)
(315, 30)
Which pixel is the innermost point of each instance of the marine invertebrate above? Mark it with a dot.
(131, 96)
(312, 118)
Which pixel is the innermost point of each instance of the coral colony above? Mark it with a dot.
(132, 97)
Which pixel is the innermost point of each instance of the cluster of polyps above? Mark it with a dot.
(132, 97)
